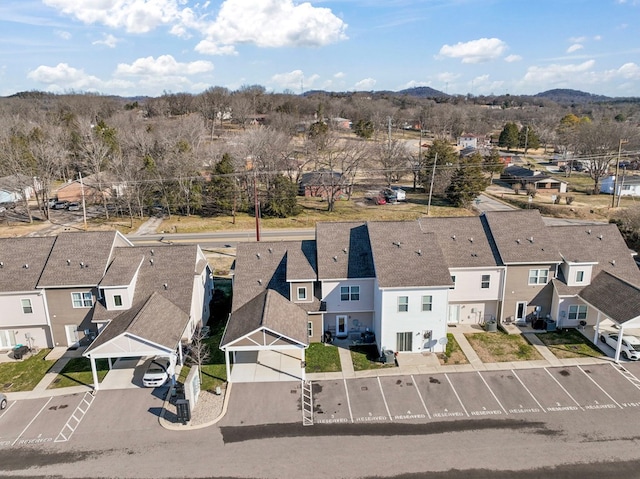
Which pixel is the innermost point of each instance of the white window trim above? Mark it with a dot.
(115, 303)
(578, 278)
(429, 303)
(537, 276)
(351, 291)
(576, 313)
(82, 300)
(302, 289)
(23, 306)
(310, 328)
(488, 281)
(403, 304)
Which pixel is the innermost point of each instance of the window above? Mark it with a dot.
(26, 306)
(486, 281)
(403, 304)
(579, 276)
(350, 293)
(82, 300)
(302, 293)
(427, 303)
(538, 276)
(404, 341)
(309, 328)
(453, 280)
(117, 300)
(578, 311)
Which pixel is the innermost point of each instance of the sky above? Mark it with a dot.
(477, 47)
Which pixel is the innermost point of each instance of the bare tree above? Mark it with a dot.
(393, 157)
(199, 353)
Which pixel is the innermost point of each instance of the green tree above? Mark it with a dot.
(364, 129)
(492, 163)
(468, 181)
(447, 160)
(528, 138)
(221, 191)
(281, 198)
(509, 136)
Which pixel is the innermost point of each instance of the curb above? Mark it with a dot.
(184, 427)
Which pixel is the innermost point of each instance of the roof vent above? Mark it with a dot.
(68, 262)
(396, 243)
(81, 264)
(588, 232)
(470, 240)
(26, 266)
(1, 264)
(613, 262)
(344, 250)
(453, 237)
(419, 252)
(518, 241)
(165, 286)
(259, 281)
(258, 255)
(335, 258)
(475, 255)
(599, 237)
(152, 252)
(270, 250)
(151, 261)
(531, 239)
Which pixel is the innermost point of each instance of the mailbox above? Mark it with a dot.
(183, 410)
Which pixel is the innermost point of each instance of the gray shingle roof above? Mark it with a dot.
(521, 237)
(270, 310)
(594, 243)
(157, 320)
(464, 241)
(616, 298)
(404, 256)
(78, 259)
(344, 251)
(301, 261)
(15, 253)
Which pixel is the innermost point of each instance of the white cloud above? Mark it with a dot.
(163, 65)
(293, 80)
(339, 75)
(135, 16)
(63, 78)
(575, 47)
(107, 40)
(414, 84)
(629, 71)
(578, 39)
(447, 76)
(554, 74)
(271, 23)
(512, 58)
(475, 51)
(365, 84)
(63, 34)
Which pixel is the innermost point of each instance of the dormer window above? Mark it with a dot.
(579, 276)
(117, 300)
(302, 293)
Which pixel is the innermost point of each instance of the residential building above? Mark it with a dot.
(538, 179)
(627, 185)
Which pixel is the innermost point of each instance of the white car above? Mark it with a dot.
(401, 195)
(157, 373)
(630, 348)
(3, 401)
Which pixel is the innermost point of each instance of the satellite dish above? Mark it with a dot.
(443, 340)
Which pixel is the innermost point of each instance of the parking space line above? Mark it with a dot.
(420, 396)
(628, 375)
(7, 410)
(527, 389)
(599, 387)
(492, 393)
(562, 387)
(346, 390)
(88, 401)
(385, 400)
(31, 422)
(456, 393)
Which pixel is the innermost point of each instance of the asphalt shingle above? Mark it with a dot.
(22, 261)
(344, 251)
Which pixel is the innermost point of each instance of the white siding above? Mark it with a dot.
(35, 324)
(331, 294)
(469, 285)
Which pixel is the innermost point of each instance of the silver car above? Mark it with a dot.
(3, 401)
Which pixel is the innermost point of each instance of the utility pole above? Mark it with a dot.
(433, 175)
(615, 179)
(256, 205)
(84, 208)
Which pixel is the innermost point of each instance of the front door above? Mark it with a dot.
(72, 335)
(454, 313)
(521, 311)
(341, 326)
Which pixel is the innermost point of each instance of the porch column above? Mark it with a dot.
(110, 364)
(303, 365)
(94, 372)
(597, 330)
(226, 361)
(619, 345)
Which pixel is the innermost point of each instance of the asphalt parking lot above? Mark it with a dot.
(474, 394)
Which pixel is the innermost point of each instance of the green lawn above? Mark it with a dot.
(501, 347)
(366, 357)
(453, 353)
(214, 370)
(322, 358)
(569, 344)
(77, 372)
(24, 375)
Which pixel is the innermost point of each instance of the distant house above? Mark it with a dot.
(320, 183)
(341, 123)
(95, 190)
(540, 180)
(18, 187)
(627, 185)
(468, 141)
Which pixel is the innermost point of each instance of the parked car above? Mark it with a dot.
(630, 348)
(389, 195)
(60, 205)
(52, 202)
(157, 373)
(401, 195)
(3, 401)
(379, 200)
(73, 206)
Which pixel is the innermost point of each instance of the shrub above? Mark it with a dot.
(531, 191)
(517, 187)
(569, 199)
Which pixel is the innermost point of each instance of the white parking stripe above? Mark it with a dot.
(628, 375)
(385, 400)
(31, 422)
(456, 393)
(7, 410)
(420, 396)
(527, 389)
(348, 401)
(492, 393)
(562, 387)
(599, 387)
